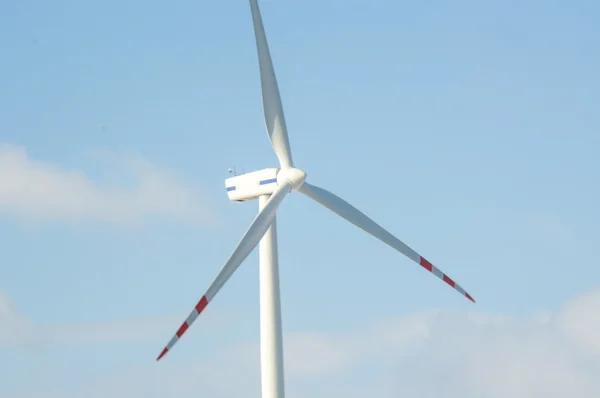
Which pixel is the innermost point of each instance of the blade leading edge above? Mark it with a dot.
(356, 217)
(251, 238)
(272, 106)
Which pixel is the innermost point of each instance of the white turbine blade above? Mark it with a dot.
(272, 106)
(356, 217)
(251, 238)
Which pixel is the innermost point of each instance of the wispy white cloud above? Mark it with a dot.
(339, 352)
(446, 354)
(17, 330)
(579, 321)
(433, 354)
(35, 190)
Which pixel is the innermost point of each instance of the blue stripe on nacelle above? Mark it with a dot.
(230, 189)
(272, 180)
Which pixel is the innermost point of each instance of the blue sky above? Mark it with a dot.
(468, 129)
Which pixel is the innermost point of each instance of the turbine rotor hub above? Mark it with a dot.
(293, 176)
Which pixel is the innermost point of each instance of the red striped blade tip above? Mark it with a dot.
(429, 267)
(162, 354)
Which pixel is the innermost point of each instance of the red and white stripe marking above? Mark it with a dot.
(213, 289)
(437, 272)
(185, 325)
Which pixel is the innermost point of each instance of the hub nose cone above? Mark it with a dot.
(293, 176)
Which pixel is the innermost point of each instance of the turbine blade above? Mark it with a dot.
(251, 238)
(356, 217)
(272, 106)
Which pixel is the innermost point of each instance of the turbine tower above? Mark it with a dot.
(270, 186)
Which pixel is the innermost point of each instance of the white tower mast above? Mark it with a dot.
(271, 339)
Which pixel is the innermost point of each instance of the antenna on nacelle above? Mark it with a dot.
(232, 171)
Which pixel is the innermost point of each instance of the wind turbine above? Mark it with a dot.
(270, 186)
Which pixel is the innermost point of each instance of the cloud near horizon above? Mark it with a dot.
(434, 354)
(34, 191)
(448, 354)
(17, 330)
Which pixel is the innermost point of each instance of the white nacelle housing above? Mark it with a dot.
(250, 186)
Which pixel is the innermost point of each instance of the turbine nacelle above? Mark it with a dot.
(252, 185)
